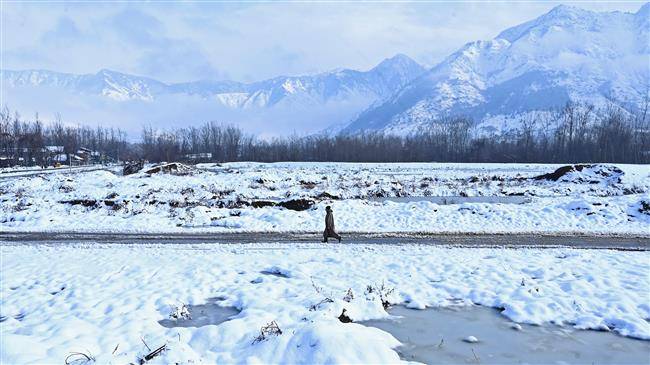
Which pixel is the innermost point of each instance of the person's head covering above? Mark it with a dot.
(328, 208)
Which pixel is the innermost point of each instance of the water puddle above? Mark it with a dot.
(448, 200)
(442, 336)
(203, 315)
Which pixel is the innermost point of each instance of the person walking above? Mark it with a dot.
(329, 225)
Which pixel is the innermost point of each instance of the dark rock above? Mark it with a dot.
(131, 167)
(66, 188)
(84, 202)
(344, 317)
(307, 184)
(262, 204)
(326, 195)
(231, 204)
(116, 205)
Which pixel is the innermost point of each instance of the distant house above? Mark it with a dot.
(63, 158)
(199, 157)
(86, 155)
(5, 161)
(54, 149)
(51, 154)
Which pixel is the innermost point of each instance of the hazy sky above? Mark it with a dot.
(186, 41)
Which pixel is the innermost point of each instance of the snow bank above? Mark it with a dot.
(102, 299)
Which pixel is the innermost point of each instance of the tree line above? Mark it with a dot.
(26, 142)
(574, 133)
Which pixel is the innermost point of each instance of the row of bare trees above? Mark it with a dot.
(25, 142)
(574, 133)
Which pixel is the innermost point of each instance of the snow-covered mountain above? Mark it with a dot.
(377, 83)
(346, 92)
(566, 54)
(111, 84)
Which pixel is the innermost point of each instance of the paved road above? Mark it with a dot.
(509, 240)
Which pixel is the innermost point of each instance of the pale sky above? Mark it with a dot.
(185, 41)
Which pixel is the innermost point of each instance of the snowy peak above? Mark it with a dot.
(121, 86)
(562, 16)
(399, 63)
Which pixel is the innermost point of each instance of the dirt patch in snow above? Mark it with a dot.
(294, 204)
(84, 202)
(174, 168)
(584, 174)
(297, 204)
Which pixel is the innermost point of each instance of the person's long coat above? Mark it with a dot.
(329, 222)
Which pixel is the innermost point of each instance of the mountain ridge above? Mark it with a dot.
(564, 55)
(381, 79)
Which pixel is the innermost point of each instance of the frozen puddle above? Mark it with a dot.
(447, 200)
(442, 336)
(203, 315)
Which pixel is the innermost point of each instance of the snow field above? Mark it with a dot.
(582, 203)
(115, 294)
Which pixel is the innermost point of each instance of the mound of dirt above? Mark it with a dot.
(131, 167)
(591, 174)
(173, 168)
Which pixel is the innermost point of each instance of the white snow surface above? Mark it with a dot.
(105, 300)
(583, 202)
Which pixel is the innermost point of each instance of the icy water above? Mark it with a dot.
(447, 200)
(439, 336)
(203, 315)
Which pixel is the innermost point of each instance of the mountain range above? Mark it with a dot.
(567, 54)
(327, 96)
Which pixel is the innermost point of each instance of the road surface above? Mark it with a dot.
(460, 240)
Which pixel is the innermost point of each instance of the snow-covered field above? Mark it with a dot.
(237, 197)
(106, 300)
